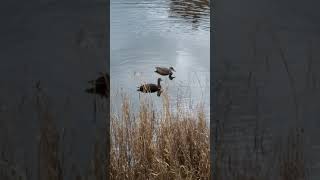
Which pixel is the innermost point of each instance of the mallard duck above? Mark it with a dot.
(151, 88)
(101, 85)
(165, 71)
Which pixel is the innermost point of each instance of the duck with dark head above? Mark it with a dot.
(165, 71)
(151, 88)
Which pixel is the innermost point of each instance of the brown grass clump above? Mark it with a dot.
(159, 144)
(292, 163)
(49, 162)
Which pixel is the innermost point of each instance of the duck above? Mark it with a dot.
(101, 85)
(151, 88)
(165, 71)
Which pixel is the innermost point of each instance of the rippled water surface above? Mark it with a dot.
(149, 33)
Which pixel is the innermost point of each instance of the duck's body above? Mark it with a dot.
(165, 71)
(100, 85)
(151, 88)
(148, 88)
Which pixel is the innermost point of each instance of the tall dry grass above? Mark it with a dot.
(163, 144)
(154, 144)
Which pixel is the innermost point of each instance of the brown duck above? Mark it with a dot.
(165, 71)
(101, 85)
(151, 88)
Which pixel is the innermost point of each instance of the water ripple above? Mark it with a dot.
(149, 33)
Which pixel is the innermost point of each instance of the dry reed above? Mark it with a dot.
(161, 144)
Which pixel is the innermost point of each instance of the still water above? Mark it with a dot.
(150, 33)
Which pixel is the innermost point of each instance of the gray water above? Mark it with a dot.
(149, 33)
(62, 45)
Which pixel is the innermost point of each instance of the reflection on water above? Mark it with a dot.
(147, 34)
(191, 10)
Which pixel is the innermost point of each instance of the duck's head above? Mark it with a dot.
(172, 69)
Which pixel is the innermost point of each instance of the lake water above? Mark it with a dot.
(149, 33)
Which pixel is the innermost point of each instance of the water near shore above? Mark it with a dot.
(145, 34)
